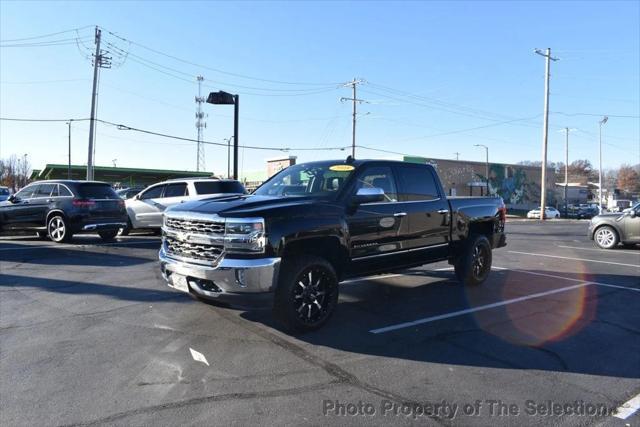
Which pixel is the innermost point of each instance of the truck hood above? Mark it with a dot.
(241, 205)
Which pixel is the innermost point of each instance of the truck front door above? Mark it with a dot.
(377, 229)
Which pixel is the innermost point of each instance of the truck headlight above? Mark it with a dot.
(244, 235)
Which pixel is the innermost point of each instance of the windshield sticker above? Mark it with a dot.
(341, 168)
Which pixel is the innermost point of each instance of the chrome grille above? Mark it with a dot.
(197, 226)
(196, 251)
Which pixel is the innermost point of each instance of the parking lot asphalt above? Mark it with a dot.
(91, 335)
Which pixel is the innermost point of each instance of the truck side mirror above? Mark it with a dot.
(368, 195)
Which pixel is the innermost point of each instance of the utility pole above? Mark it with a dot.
(99, 61)
(601, 122)
(457, 155)
(200, 123)
(354, 83)
(545, 130)
(69, 166)
(566, 170)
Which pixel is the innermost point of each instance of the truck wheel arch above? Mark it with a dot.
(328, 248)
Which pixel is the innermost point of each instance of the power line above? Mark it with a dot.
(217, 70)
(595, 115)
(46, 35)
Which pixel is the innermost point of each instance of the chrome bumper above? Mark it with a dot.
(230, 277)
(101, 226)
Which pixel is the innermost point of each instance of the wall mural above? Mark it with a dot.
(511, 184)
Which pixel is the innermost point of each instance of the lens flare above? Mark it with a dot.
(539, 320)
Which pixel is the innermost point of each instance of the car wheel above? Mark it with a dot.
(108, 235)
(473, 265)
(58, 230)
(125, 230)
(307, 293)
(606, 237)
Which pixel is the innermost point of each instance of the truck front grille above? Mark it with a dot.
(196, 251)
(196, 226)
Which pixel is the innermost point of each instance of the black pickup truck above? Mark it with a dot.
(313, 225)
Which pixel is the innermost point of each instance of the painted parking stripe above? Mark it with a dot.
(576, 259)
(502, 303)
(611, 251)
(85, 245)
(555, 276)
(475, 309)
(628, 408)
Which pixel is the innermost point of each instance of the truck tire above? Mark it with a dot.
(473, 264)
(307, 293)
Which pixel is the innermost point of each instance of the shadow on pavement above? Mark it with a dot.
(126, 293)
(587, 329)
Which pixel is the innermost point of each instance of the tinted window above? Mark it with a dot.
(26, 192)
(417, 183)
(64, 191)
(176, 190)
(97, 191)
(214, 187)
(44, 190)
(379, 177)
(153, 192)
(4, 191)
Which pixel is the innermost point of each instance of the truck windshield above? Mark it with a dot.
(307, 180)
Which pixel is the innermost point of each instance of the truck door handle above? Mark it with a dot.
(443, 211)
(397, 214)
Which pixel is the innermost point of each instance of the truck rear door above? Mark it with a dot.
(427, 210)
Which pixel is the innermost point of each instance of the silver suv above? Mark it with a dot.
(146, 208)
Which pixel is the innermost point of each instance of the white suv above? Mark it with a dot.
(146, 208)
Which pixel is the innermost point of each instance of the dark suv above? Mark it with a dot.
(60, 209)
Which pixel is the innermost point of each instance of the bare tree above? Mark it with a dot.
(628, 179)
(14, 172)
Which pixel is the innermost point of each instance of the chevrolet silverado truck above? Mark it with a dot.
(312, 225)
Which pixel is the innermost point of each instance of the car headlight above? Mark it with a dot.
(244, 235)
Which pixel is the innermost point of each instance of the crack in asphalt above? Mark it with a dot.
(205, 399)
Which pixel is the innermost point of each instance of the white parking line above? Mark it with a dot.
(87, 245)
(198, 357)
(581, 283)
(473, 310)
(628, 408)
(611, 251)
(576, 259)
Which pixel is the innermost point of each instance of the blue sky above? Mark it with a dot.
(433, 70)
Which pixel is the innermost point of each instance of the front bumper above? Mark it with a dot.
(240, 282)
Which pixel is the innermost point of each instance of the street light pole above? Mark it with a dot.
(228, 156)
(225, 98)
(601, 122)
(236, 110)
(486, 150)
(566, 170)
(69, 166)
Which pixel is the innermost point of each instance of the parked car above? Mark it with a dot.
(4, 193)
(609, 229)
(127, 193)
(549, 212)
(60, 209)
(315, 224)
(145, 209)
